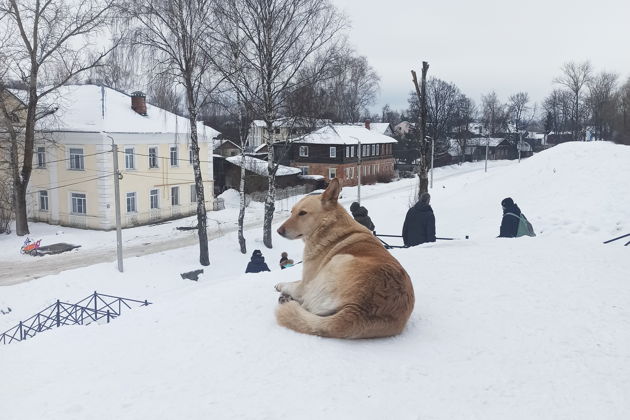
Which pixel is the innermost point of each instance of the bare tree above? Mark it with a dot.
(163, 93)
(465, 113)
(279, 38)
(49, 44)
(557, 107)
(421, 127)
(575, 78)
(493, 113)
(622, 132)
(602, 101)
(173, 33)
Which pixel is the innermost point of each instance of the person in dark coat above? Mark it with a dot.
(509, 223)
(419, 226)
(360, 214)
(257, 263)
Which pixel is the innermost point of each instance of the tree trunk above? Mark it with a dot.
(241, 212)
(270, 199)
(421, 92)
(202, 232)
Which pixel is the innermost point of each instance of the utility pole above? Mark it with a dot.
(119, 254)
(359, 152)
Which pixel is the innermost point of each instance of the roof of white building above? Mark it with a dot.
(90, 108)
(344, 134)
(292, 122)
(259, 166)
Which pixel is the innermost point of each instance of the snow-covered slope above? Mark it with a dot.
(503, 328)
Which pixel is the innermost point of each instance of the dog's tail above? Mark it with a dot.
(348, 322)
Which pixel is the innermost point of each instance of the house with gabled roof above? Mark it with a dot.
(72, 182)
(341, 151)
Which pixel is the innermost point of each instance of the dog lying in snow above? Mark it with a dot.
(351, 285)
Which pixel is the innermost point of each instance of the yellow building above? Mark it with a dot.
(73, 182)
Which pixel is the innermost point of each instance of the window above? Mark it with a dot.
(365, 149)
(351, 151)
(41, 157)
(304, 170)
(174, 196)
(303, 151)
(378, 149)
(129, 158)
(333, 152)
(43, 201)
(350, 172)
(76, 159)
(193, 193)
(79, 203)
(131, 203)
(332, 173)
(153, 157)
(153, 199)
(190, 154)
(174, 160)
(347, 151)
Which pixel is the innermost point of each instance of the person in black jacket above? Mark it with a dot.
(360, 214)
(257, 263)
(419, 226)
(511, 218)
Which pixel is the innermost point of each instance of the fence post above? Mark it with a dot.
(58, 316)
(95, 305)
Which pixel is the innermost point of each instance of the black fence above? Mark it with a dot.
(94, 308)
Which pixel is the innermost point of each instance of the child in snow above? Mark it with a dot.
(285, 261)
(257, 263)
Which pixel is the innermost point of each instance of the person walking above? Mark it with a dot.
(360, 214)
(257, 263)
(419, 226)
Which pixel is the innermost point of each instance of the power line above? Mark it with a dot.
(165, 157)
(70, 158)
(74, 183)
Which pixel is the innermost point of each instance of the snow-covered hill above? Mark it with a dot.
(503, 328)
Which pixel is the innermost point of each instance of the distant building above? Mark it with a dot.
(333, 152)
(283, 129)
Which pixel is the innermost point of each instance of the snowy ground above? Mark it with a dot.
(503, 328)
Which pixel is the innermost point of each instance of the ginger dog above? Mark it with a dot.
(351, 285)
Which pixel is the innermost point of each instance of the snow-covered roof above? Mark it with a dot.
(90, 108)
(344, 134)
(260, 147)
(216, 143)
(259, 166)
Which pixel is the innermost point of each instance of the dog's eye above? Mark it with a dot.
(301, 213)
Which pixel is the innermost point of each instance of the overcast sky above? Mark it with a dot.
(484, 45)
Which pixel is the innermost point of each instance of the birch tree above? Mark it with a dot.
(47, 44)
(172, 33)
(279, 38)
(575, 78)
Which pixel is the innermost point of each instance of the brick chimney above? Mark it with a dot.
(367, 123)
(139, 102)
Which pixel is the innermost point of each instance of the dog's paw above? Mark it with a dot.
(284, 299)
(279, 287)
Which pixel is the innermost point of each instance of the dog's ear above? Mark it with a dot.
(331, 194)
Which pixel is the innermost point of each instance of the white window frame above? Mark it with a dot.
(330, 173)
(347, 151)
(173, 159)
(74, 205)
(373, 150)
(156, 157)
(303, 151)
(193, 193)
(351, 151)
(76, 160)
(378, 150)
(175, 197)
(154, 199)
(332, 151)
(43, 200)
(131, 201)
(130, 158)
(41, 157)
